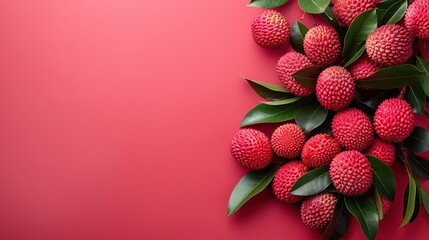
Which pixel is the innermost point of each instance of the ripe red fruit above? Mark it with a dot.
(251, 148)
(390, 45)
(322, 45)
(290, 63)
(352, 129)
(383, 150)
(351, 173)
(417, 18)
(288, 140)
(394, 120)
(317, 211)
(347, 10)
(270, 29)
(364, 67)
(385, 205)
(335, 88)
(319, 150)
(285, 178)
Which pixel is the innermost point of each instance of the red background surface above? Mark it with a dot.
(116, 117)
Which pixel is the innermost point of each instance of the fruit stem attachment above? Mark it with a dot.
(402, 93)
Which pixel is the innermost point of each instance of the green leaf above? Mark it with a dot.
(359, 30)
(250, 185)
(365, 212)
(269, 91)
(339, 224)
(266, 3)
(329, 16)
(313, 6)
(385, 4)
(264, 113)
(311, 116)
(418, 141)
(283, 102)
(307, 77)
(383, 177)
(423, 66)
(416, 205)
(297, 34)
(392, 77)
(378, 204)
(409, 200)
(416, 97)
(419, 166)
(378, 98)
(313, 182)
(425, 199)
(395, 12)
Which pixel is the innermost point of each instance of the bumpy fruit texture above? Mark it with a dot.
(317, 211)
(394, 120)
(288, 140)
(351, 173)
(287, 65)
(417, 19)
(385, 205)
(347, 10)
(335, 88)
(364, 67)
(383, 150)
(285, 178)
(322, 45)
(390, 45)
(251, 149)
(319, 151)
(352, 129)
(270, 29)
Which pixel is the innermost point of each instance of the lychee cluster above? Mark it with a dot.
(356, 132)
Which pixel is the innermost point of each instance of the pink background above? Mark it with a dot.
(116, 118)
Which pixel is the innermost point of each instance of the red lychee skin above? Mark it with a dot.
(287, 65)
(390, 45)
(383, 150)
(347, 10)
(251, 149)
(288, 140)
(364, 67)
(317, 211)
(335, 88)
(285, 178)
(322, 45)
(270, 29)
(319, 151)
(352, 129)
(385, 205)
(351, 173)
(417, 18)
(394, 120)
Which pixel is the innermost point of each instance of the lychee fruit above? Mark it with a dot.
(394, 120)
(352, 129)
(385, 205)
(319, 150)
(347, 10)
(288, 140)
(364, 67)
(351, 173)
(383, 150)
(317, 211)
(251, 149)
(270, 29)
(390, 45)
(287, 65)
(322, 45)
(417, 18)
(285, 178)
(335, 88)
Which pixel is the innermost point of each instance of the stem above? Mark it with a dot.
(303, 16)
(402, 93)
(314, 20)
(405, 154)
